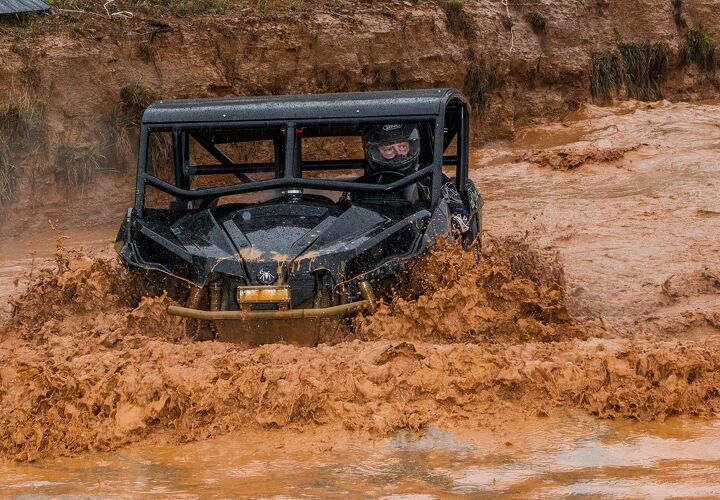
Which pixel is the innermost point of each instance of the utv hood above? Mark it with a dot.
(260, 242)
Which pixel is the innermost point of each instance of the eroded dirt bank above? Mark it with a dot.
(72, 85)
(595, 310)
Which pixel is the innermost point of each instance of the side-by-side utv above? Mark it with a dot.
(258, 215)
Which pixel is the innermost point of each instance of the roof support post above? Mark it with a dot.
(438, 159)
(141, 170)
(461, 176)
(181, 180)
(290, 163)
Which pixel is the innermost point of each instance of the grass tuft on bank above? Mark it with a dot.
(641, 68)
(77, 166)
(9, 177)
(645, 68)
(699, 48)
(125, 116)
(607, 75)
(482, 79)
(133, 101)
(20, 112)
(458, 21)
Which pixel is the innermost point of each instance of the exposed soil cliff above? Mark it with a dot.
(73, 83)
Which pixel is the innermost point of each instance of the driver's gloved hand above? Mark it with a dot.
(460, 223)
(458, 213)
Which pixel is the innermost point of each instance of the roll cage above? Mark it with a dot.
(286, 120)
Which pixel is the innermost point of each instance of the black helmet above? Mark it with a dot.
(378, 139)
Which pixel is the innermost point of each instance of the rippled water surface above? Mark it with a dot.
(559, 456)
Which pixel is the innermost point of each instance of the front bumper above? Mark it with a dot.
(293, 326)
(325, 312)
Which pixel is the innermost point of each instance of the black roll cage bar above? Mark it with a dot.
(293, 166)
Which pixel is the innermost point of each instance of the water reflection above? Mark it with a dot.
(565, 455)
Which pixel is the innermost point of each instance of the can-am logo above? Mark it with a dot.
(266, 277)
(394, 126)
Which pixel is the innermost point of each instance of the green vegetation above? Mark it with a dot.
(125, 117)
(192, 7)
(9, 177)
(70, 4)
(456, 6)
(133, 101)
(459, 22)
(20, 113)
(537, 22)
(75, 167)
(481, 80)
(607, 75)
(700, 49)
(640, 67)
(21, 135)
(645, 67)
(26, 24)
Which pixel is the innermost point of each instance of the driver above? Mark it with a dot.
(395, 148)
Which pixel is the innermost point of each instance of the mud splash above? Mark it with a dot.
(89, 365)
(573, 158)
(95, 295)
(511, 293)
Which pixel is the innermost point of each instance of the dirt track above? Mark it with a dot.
(629, 329)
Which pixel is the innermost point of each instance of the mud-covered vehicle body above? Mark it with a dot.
(257, 217)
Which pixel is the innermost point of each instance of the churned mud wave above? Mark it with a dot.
(512, 293)
(87, 363)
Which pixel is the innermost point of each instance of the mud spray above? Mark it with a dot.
(90, 364)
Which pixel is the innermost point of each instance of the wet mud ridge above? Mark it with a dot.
(87, 363)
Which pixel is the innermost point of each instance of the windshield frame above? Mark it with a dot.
(287, 166)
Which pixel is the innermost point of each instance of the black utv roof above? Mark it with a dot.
(382, 104)
(19, 6)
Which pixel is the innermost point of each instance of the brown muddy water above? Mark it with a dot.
(573, 360)
(566, 455)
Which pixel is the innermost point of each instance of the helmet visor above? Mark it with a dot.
(394, 154)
